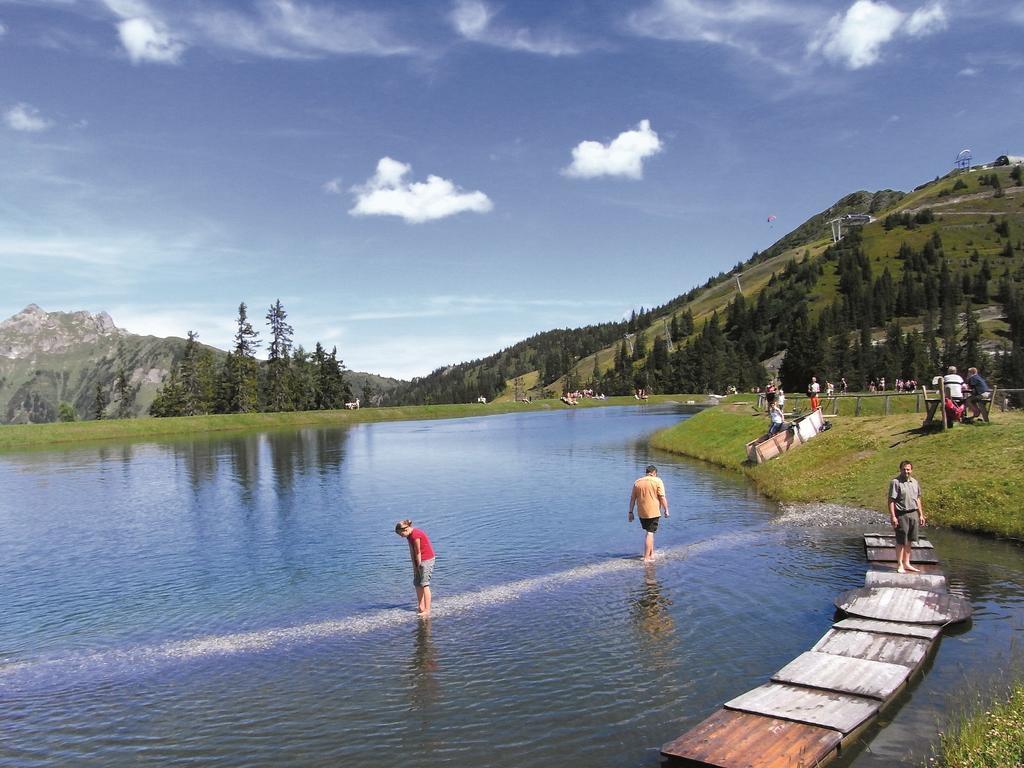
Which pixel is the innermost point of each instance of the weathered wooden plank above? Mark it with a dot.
(845, 674)
(890, 541)
(888, 555)
(887, 533)
(839, 711)
(936, 582)
(731, 739)
(914, 606)
(906, 651)
(927, 632)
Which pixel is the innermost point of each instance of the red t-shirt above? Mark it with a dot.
(426, 551)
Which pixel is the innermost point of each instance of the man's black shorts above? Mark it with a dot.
(649, 524)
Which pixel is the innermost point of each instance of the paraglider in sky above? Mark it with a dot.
(771, 218)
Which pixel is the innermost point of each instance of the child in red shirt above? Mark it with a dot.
(422, 555)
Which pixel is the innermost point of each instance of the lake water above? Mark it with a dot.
(243, 600)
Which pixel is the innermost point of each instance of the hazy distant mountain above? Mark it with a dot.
(47, 358)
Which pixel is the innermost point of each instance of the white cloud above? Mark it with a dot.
(333, 186)
(709, 22)
(969, 72)
(856, 37)
(3, 29)
(927, 20)
(289, 29)
(144, 34)
(145, 40)
(473, 20)
(25, 117)
(388, 194)
(623, 156)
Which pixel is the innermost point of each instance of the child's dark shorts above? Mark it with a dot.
(649, 524)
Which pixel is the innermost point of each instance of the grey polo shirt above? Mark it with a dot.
(905, 493)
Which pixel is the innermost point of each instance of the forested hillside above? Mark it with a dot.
(935, 278)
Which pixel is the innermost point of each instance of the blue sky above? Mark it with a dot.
(423, 183)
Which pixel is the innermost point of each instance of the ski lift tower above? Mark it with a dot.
(963, 160)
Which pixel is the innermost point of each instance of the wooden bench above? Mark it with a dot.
(933, 405)
(984, 404)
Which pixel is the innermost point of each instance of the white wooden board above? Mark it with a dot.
(935, 582)
(906, 651)
(890, 628)
(845, 674)
(871, 540)
(914, 606)
(839, 711)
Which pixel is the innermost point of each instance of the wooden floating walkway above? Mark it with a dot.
(820, 702)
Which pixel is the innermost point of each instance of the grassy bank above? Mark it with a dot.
(22, 436)
(988, 738)
(970, 476)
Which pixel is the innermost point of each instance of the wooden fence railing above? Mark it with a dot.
(880, 403)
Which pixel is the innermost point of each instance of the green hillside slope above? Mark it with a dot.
(931, 280)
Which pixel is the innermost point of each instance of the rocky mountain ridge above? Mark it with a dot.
(34, 330)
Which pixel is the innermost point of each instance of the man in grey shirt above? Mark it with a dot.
(906, 514)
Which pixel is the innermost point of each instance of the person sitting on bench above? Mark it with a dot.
(953, 384)
(979, 390)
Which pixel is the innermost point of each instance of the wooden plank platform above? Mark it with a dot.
(925, 631)
(824, 698)
(936, 582)
(914, 606)
(829, 709)
(889, 540)
(862, 677)
(730, 739)
(888, 555)
(906, 651)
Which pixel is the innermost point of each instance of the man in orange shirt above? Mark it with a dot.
(648, 497)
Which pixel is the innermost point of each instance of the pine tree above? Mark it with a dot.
(970, 352)
(278, 358)
(170, 400)
(240, 378)
(124, 395)
(66, 412)
(100, 402)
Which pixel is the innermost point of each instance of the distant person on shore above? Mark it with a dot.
(776, 418)
(422, 555)
(980, 390)
(906, 514)
(648, 497)
(813, 390)
(843, 385)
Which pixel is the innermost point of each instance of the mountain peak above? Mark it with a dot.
(35, 330)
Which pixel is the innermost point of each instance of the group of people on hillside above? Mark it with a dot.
(571, 398)
(959, 395)
(649, 502)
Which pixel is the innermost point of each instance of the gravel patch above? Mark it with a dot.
(825, 515)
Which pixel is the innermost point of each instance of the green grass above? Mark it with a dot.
(988, 737)
(970, 476)
(22, 436)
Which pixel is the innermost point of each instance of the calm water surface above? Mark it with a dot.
(244, 601)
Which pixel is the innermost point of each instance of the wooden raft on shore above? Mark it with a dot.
(818, 704)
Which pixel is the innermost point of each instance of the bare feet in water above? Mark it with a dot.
(913, 569)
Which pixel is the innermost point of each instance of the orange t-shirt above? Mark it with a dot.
(647, 491)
